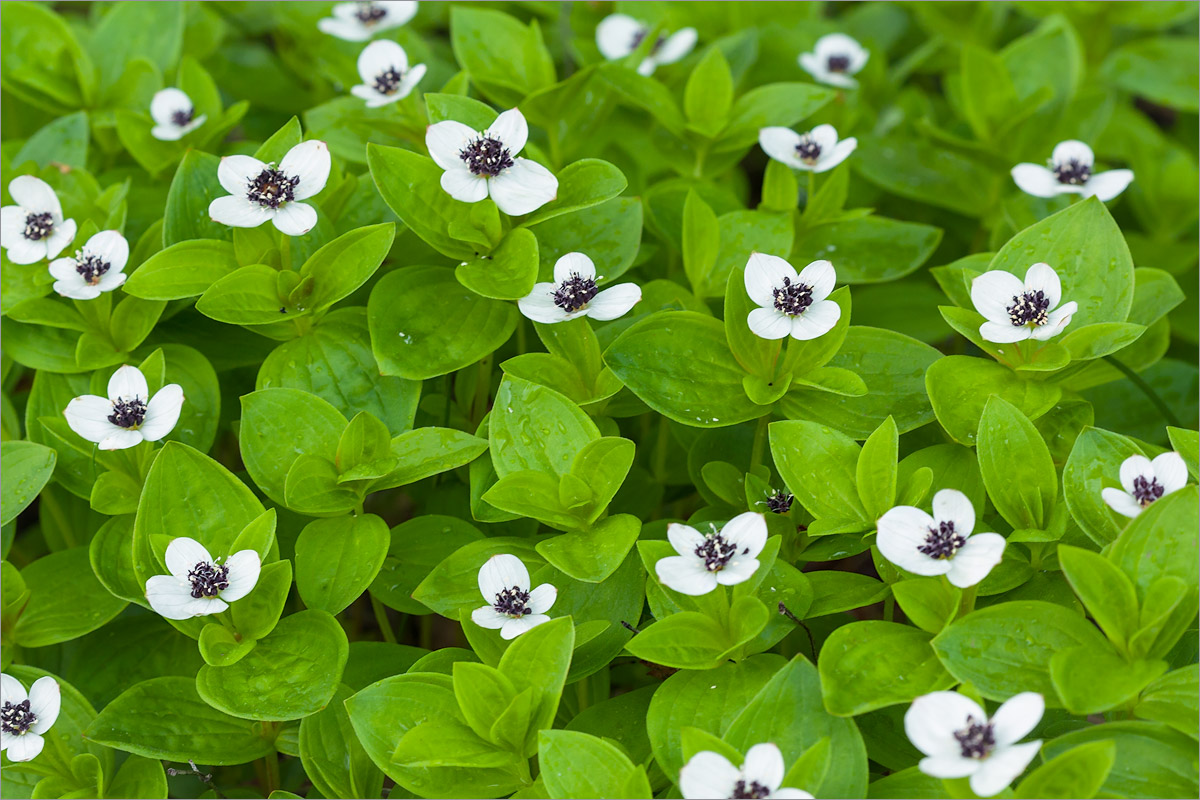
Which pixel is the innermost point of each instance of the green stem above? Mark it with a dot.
(382, 619)
(812, 189)
(760, 440)
(889, 608)
(425, 631)
(967, 603)
(660, 451)
(482, 390)
(270, 772)
(1147, 390)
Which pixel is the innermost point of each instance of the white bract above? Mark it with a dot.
(835, 59)
(34, 228)
(941, 544)
(1145, 481)
(259, 192)
(816, 151)
(727, 557)
(790, 304)
(129, 415)
(959, 740)
(709, 775)
(482, 163)
(513, 607)
(383, 67)
(1070, 172)
(95, 268)
(198, 585)
(174, 115)
(358, 22)
(574, 294)
(618, 35)
(1017, 310)
(25, 718)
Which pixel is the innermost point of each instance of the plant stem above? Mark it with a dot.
(760, 440)
(1146, 389)
(967, 604)
(482, 389)
(270, 772)
(425, 632)
(889, 608)
(812, 189)
(382, 619)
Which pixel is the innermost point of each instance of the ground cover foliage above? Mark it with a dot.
(575, 400)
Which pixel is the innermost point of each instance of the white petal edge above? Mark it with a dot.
(183, 554)
(975, 559)
(614, 302)
(244, 568)
(524, 187)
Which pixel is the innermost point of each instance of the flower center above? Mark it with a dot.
(91, 267)
(128, 413)
(17, 718)
(1146, 491)
(370, 13)
(272, 188)
(38, 226)
(208, 579)
(486, 156)
(942, 541)
(742, 789)
(792, 298)
(182, 117)
(388, 81)
(1072, 172)
(640, 37)
(976, 740)
(808, 150)
(574, 293)
(513, 602)
(839, 63)
(716, 551)
(1029, 309)
(780, 502)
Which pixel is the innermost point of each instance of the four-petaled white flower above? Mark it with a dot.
(790, 304)
(941, 544)
(709, 775)
(198, 585)
(128, 416)
(95, 268)
(618, 35)
(835, 58)
(726, 557)
(25, 718)
(959, 740)
(259, 192)
(1070, 172)
(383, 67)
(482, 163)
(574, 294)
(1017, 310)
(513, 607)
(816, 151)
(34, 228)
(1145, 481)
(174, 115)
(358, 22)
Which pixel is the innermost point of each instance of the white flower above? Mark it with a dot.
(128, 416)
(816, 151)
(198, 585)
(95, 268)
(1070, 172)
(25, 718)
(480, 163)
(834, 59)
(618, 35)
(1017, 310)
(790, 304)
(34, 228)
(727, 557)
(574, 294)
(358, 22)
(512, 607)
(941, 544)
(174, 115)
(259, 192)
(1145, 481)
(383, 67)
(959, 740)
(709, 775)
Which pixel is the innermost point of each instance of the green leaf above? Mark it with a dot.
(872, 664)
(184, 269)
(780, 190)
(538, 660)
(341, 266)
(1152, 759)
(1091, 681)
(410, 184)
(425, 324)
(959, 388)
(988, 96)
(337, 559)
(581, 184)
(1076, 773)
(869, 250)
(774, 104)
(742, 234)
(416, 547)
(818, 464)
(576, 764)
(929, 173)
(453, 585)
(1187, 444)
(1172, 699)
(701, 240)
(508, 273)
(280, 427)
(536, 428)
(1107, 594)
(333, 758)
(1023, 489)
(592, 556)
(193, 188)
(709, 92)
(1160, 68)
(505, 59)
(1100, 339)
(684, 640)
(1094, 464)
(483, 693)
(930, 604)
(875, 473)
(164, 718)
(27, 467)
(65, 600)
